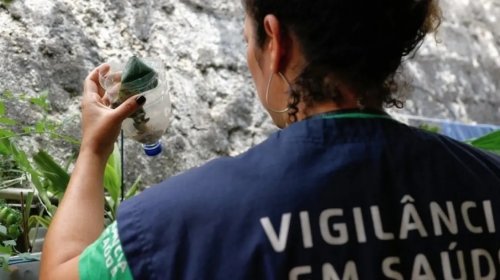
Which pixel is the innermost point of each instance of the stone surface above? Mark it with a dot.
(458, 77)
(52, 45)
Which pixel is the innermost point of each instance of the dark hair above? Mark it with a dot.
(359, 42)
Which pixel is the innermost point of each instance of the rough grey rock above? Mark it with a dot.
(458, 77)
(52, 45)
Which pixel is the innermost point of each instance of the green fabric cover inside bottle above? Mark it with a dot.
(137, 77)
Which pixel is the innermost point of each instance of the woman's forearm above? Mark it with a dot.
(80, 217)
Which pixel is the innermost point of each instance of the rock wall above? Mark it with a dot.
(52, 45)
(458, 77)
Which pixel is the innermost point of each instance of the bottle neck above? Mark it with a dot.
(153, 149)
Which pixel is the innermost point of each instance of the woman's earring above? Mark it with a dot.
(267, 93)
(361, 103)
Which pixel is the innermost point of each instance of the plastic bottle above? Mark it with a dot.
(148, 124)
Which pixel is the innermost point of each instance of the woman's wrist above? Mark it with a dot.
(96, 148)
(95, 155)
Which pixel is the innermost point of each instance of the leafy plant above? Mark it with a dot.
(13, 225)
(56, 178)
(44, 126)
(10, 174)
(113, 184)
(42, 174)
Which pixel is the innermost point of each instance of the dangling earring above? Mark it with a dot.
(267, 93)
(361, 103)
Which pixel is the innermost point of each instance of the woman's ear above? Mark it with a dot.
(274, 43)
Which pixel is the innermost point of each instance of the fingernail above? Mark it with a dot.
(140, 100)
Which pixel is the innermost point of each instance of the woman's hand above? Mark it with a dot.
(101, 124)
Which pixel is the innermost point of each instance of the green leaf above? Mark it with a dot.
(7, 94)
(56, 176)
(67, 138)
(112, 182)
(4, 146)
(27, 204)
(41, 101)
(36, 180)
(5, 253)
(134, 189)
(2, 108)
(490, 142)
(7, 121)
(430, 128)
(6, 133)
(43, 221)
(111, 208)
(19, 156)
(112, 176)
(5, 250)
(27, 129)
(40, 127)
(44, 126)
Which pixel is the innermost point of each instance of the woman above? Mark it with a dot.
(343, 191)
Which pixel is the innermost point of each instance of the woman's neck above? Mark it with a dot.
(349, 101)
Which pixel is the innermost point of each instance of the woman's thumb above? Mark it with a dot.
(128, 107)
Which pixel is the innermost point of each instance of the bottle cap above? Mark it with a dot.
(152, 149)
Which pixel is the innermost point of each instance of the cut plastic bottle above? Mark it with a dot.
(147, 77)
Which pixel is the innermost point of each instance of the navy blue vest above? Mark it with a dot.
(324, 199)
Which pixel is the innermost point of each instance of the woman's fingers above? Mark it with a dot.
(129, 107)
(112, 93)
(91, 84)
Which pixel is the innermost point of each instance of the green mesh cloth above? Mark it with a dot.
(137, 77)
